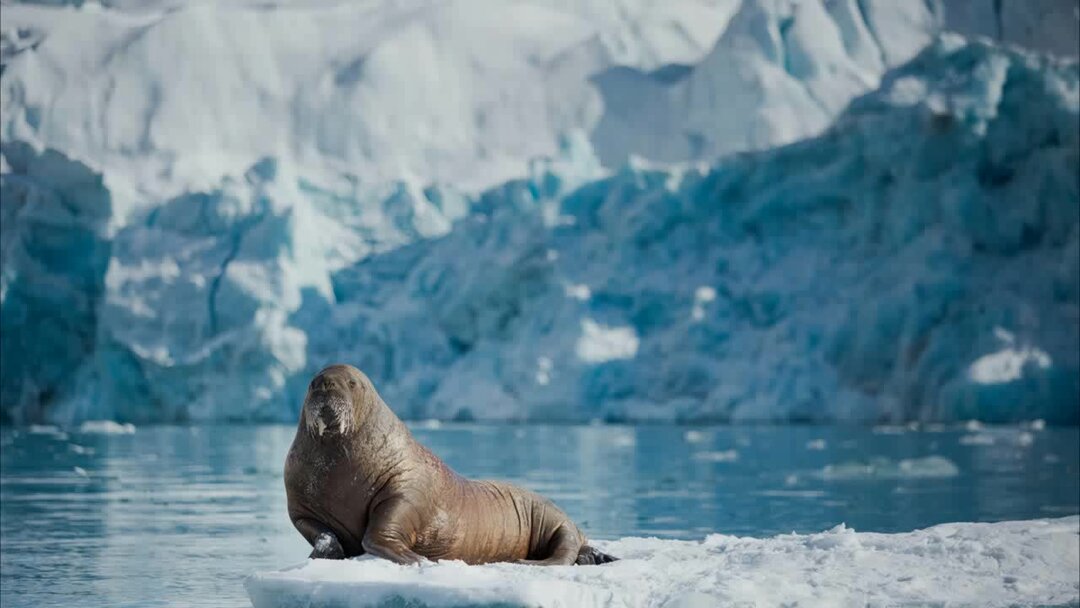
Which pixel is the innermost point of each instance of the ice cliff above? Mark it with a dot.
(919, 260)
(54, 251)
(193, 224)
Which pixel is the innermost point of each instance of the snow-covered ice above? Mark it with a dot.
(1023, 563)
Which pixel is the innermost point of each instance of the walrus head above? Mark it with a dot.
(335, 399)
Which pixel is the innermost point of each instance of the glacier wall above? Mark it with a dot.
(203, 204)
(54, 251)
(918, 260)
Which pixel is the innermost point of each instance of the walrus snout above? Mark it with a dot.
(328, 405)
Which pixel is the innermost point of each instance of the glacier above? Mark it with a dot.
(54, 252)
(999, 564)
(452, 91)
(913, 254)
(863, 275)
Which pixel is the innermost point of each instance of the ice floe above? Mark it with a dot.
(1000, 564)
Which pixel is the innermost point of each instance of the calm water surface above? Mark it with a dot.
(178, 516)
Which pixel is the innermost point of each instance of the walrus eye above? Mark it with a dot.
(352, 383)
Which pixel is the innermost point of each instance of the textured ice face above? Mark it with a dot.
(860, 275)
(54, 251)
(868, 274)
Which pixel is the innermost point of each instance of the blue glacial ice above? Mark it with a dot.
(54, 252)
(918, 260)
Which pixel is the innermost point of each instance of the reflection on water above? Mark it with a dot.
(179, 515)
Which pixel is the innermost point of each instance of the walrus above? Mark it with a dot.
(357, 482)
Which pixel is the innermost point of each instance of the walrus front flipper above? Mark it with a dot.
(590, 556)
(387, 531)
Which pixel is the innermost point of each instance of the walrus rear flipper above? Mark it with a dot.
(590, 556)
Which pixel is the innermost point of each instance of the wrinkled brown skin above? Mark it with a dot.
(362, 484)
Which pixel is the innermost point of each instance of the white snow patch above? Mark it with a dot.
(599, 343)
(1006, 365)
(999, 564)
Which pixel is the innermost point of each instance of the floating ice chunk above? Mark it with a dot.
(702, 296)
(718, 456)
(49, 430)
(543, 370)
(954, 564)
(816, 444)
(599, 343)
(694, 436)
(43, 429)
(578, 292)
(793, 493)
(889, 429)
(81, 472)
(107, 427)
(977, 439)
(931, 467)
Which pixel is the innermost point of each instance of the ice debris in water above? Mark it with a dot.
(931, 467)
(694, 436)
(107, 427)
(977, 439)
(992, 565)
(717, 456)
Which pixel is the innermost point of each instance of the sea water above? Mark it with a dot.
(178, 516)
